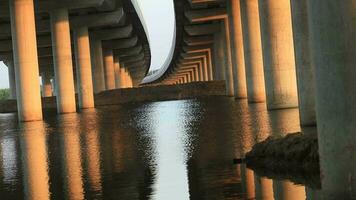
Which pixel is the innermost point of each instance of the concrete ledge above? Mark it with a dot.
(141, 94)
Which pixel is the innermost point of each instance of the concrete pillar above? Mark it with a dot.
(226, 38)
(46, 85)
(237, 49)
(98, 66)
(278, 54)
(83, 68)
(109, 69)
(123, 78)
(12, 79)
(63, 65)
(333, 45)
(248, 182)
(305, 69)
(117, 72)
(206, 68)
(25, 60)
(253, 51)
(220, 58)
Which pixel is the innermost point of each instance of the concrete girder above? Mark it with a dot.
(202, 29)
(113, 33)
(97, 20)
(120, 43)
(125, 59)
(206, 14)
(199, 40)
(129, 51)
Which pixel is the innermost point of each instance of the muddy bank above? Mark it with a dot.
(294, 157)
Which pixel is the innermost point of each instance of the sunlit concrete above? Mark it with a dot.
(278, 54)
(109, 69)
(288, 190)
(25, 60)
(98, 66)
(83, 68)
(237, 49)
(62, 58)
(253, 51)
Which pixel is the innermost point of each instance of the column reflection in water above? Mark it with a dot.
(90, 132)
(35, 161)
(211, 172)
(72, 161)
(284, 122)
(261, 130)
(8, 160)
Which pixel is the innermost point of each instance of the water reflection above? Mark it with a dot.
(162, 150)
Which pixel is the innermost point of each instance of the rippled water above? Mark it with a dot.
(163, 150)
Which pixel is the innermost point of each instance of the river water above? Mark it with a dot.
(161, 150)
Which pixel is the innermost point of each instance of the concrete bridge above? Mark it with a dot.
(286, 53)
(87, 46)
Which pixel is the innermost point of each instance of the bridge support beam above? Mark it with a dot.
(83, 68)
(117, 72)
(25, 60)
(333, 44)
(278, 54)
(253, 51)
(237, 49)
(63, 65)
(305, 69)
(109, 69)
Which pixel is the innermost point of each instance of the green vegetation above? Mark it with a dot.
(4, 94)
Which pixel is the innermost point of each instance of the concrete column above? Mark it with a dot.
(98, 66)
(278, 54)
(63, 65)
(333, 45)
(122, 78)
(206, 68)
(253, 51)
(23, 32)
(220, 64)
(117, 72)
(46, 85)
(109, 69)
(264, 188)
(12, 79)
(304, 67)
(248, 182)
(237, 49)
(83, 68)
(226, 38)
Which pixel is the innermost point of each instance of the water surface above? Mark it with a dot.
(162, 150)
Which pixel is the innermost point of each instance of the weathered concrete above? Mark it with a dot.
(83, 68)
(253, 51)
(25, 60)
(333, 44)
(278, 54)
(305, 69)
(237, 49)
(63, 65)
(117, 72)
(140, 94)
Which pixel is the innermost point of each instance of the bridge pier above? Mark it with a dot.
(98, 66)
(333, 45)
(83, 68)
(63, 65)
(305, 69)
(237, 49)
(253, 51)
(278, 54)
(23, 32)
(109, 69)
